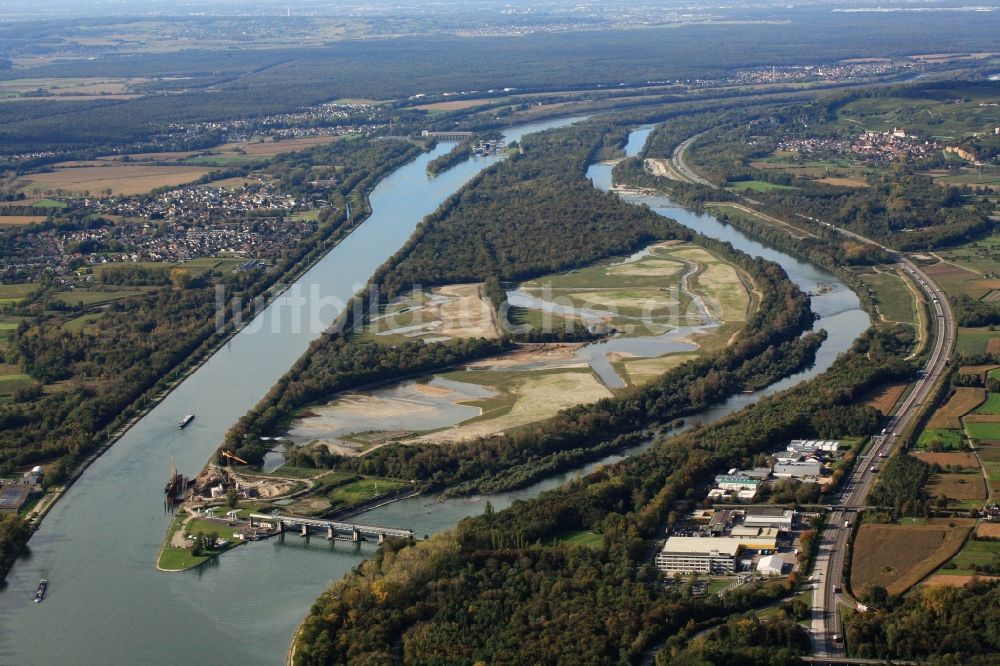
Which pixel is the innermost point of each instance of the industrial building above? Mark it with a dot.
(699, 555)
(773, 565)
(811, 446)
(736, 482)
(805, 470)
(777, 518)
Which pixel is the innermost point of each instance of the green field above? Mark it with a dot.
(179, 559)
(364, 489)
(223, 160)
(972, 341)
(581, 538)
(83, 323)
(943, 440)
(88, 297)
(757, 186)
(49, 203)
(992, 404)
(12, 293)
(974, 552)
(983, 430)
(894, 299)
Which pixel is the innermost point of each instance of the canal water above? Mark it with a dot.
(108, 605)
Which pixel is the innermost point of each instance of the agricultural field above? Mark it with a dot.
(956, 280)
(940, 440)
(954, 460)
(20, 220)
(983, 430)
(442, 313)
(991, 406)
(967, 489)
(69, 89)
(12, 379)
(833, 170)
(989, 455)
(974, 553)
(897, 557)
(981, 257)
(985, 176)
(961, 402)
(91, 296)
(756, 186)
(980, 371)
(14, 293)
(895, 300)
(456, 105)
(945, 114)
(885, 398)
(120, 179)
(975, 340)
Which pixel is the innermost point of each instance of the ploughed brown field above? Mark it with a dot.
(946, 458)
(963, 401)
(954, 580)
(965, 486)
(885, 398)
(988, 530)
(897, 557)
(121, 179)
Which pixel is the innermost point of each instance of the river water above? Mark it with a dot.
(108, 605)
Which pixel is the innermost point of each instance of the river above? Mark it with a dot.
(108, 605)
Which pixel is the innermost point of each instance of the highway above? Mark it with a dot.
(826, 631)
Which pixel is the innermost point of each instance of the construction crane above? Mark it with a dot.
(230, 457)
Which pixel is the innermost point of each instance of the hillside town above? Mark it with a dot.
(873, 148)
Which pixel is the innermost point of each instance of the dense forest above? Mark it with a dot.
(224, 84)
(490, 590)
(935, 625)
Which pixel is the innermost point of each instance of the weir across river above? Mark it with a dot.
(354, 531)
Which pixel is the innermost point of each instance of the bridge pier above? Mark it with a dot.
(381, 538)
(305, 530)
(355, 536)
(329, 533)
(280, 527)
